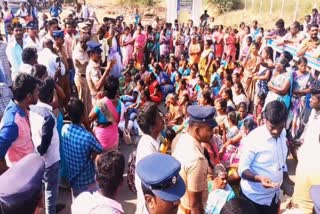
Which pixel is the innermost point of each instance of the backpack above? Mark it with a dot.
(131, 171)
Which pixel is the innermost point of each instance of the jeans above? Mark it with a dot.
(51, 180)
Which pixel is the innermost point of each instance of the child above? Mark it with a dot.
(258, 108)
(165, 147)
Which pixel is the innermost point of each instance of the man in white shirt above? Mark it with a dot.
(109, 176)
(14, 49)
(29, 59)
(262, 165)
(46, 139)
(53, 63)
(151, 123)
(32, 39)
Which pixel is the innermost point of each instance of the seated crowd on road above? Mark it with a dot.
(215, 113)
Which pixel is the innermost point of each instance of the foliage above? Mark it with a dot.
(227, 5)
(145, 2)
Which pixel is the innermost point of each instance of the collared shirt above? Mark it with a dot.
(95, 203)
(14, 54)
(44, 132)
(5, 97)
(49, 59)
(266, 156)
(80, 57)
(68, 39)
(311, 135)
(5, 63)
(30, 43)
(77, 145)
(194, 168)
(15, 134)
(93, 74)
(146, 146)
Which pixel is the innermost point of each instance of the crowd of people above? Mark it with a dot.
(214, 110)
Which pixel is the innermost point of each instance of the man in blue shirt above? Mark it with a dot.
(262, 165)
(15, 132)
(55, 10)
(78, 148)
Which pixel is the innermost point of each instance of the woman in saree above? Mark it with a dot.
(280, 85)
(164, 43)
(218, 37)
(251, 67)
(126, 46)
(154, 88)
(179, 44)
(150, 46)
(163, 80)
(206, 62)
(140, 41)
(230, 40)
(300, 87)
(220, 192)
(194, 51)
(107, 113)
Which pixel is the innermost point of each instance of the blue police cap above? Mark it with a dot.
(315, 195)
(31, 25)
(202, 114)
(22, 180)
(160, 173)
(94, 46)
(58, 33)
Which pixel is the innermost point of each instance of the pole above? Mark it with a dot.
(295, 16)
(252, 5)
(271, 6)
(245, 4)
(260, 9)
(282, 8)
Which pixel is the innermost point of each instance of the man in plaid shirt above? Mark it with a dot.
(78, 148)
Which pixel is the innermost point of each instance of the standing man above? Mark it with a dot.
(79, 148)
(162, 188)
(151, 124)
(95, 79)
(110, 167)
(262, 165)
(32, 39)
(14, 49)
(48, 58)
(194, 165)
(64, 80)
(46, 139)
(307, 172)
(52, 26)
(80, 61)
(29, 59)
(5, 66)
(15, 132)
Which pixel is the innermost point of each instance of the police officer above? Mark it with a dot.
(21, 185)
(194, 165)
(94, 77)
(162, 188)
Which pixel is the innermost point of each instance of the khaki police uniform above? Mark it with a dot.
(194, 169)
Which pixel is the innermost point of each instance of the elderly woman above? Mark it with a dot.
(280, 84)
(107, 113)
(220, 192)
(194, 51)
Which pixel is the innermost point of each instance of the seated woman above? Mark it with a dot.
(231, 150)
(183, 93)
(133, 101)
(184, 69)
(221, 111)
(206, 99)
(239, 95)
(227, 95)
(163, 80)
(232, 129)
(107, 113)
(128, 84)
(154, 88)
(243, 114)
(220, 192)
